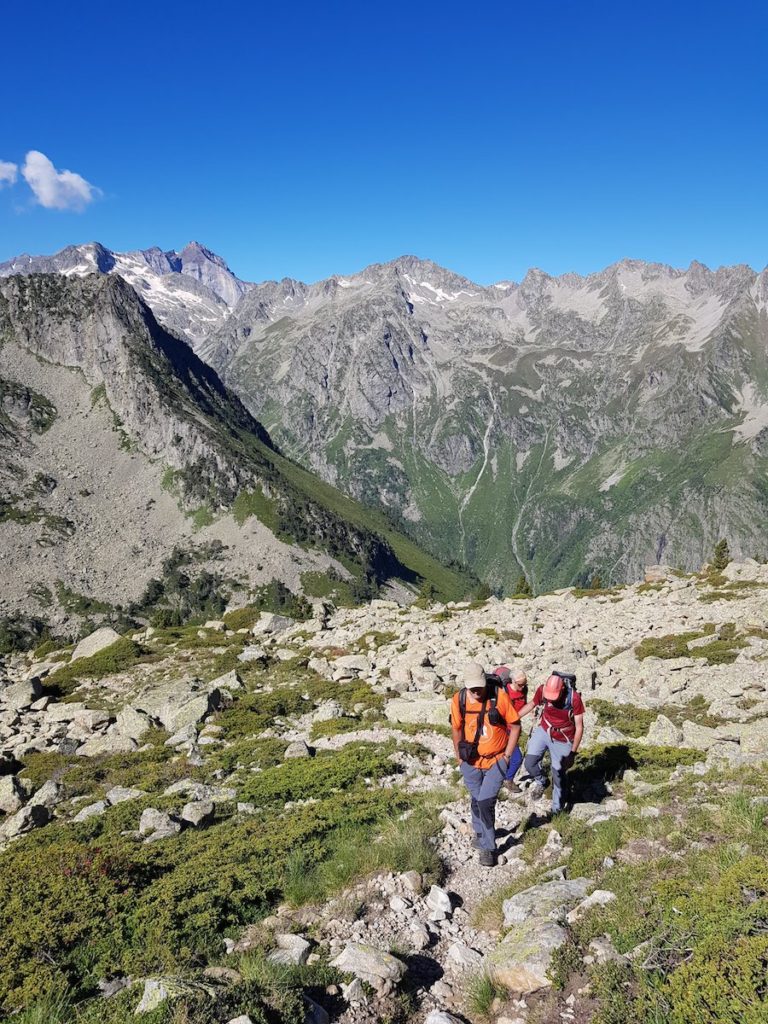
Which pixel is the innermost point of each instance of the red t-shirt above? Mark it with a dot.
(558, 719)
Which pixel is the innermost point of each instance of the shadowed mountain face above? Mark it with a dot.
(561, 427)
(118, 444)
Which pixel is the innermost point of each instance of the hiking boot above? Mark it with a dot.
(487, 858)
(476, 843)
(512, 786)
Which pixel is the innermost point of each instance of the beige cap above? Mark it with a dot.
(474, 674)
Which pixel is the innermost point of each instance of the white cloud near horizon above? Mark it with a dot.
(8, 173)
(56, 190)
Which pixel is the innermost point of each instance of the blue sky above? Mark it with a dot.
(323, 137)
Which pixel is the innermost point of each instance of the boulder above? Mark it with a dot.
(350, 665)
(544, 901)
(132, 723)
(328, 709)
(441, 1017)
(297, 749)
(155, 824)
(49, 794)
(28, 818)
(699, 737)
(269, 622)
(754, 738)
(464, 957)
(110, 742)
(22, 695)
(177, 704)
(522, 959)
(252, 654)
(12, 794)
(291, 949)
(664, 733)
(119, 794)
(598, 898)
(229, 681)
(422, 708)
(94, 643)
(380, 970)
(91, 811)
(198, 813)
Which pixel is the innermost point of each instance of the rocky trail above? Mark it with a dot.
(273, 807)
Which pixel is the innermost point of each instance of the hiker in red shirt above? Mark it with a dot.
(485, 731)
(559, 731)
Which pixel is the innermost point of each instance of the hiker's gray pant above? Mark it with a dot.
(484, 786)
(538, 745)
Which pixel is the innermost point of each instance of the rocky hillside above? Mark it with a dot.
(559, 428)
(260, 820)
(124, 458)
(562, 427)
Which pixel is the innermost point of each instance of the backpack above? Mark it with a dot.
(552, 691)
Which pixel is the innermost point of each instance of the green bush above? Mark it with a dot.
(119, 656)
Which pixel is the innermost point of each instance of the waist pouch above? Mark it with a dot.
(468, 751)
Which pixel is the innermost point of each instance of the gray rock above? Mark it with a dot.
(242, 1019)
(664, 733)
(252, 654)
(463, 956)
(177, 705)
(199, 791)
(269, 622)
(132, 723)
(291, 949)
(186, 735)
(543, 901)
(12, 794)
(91, 811)
(198, 813)
(379, 969)
(21, 695)
(297, 749)
(441, 1017)
(598, 898)
(157, 824)
(119, 794)
(49, 794)
(419, 709)
(439, 900)
(28, 818)
(229, 681)
(155, 994)
(110, 742)
(522, 959)
(98, 641)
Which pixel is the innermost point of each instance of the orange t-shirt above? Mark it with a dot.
(494, 737)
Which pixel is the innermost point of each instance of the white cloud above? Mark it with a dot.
(56, 190)
(8, 173)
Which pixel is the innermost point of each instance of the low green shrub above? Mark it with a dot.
(119, 656)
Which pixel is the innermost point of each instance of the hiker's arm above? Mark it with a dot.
(578, 721)
(514, 736)
(456, 738)
(526, 710)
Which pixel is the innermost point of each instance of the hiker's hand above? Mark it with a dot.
(568, 761)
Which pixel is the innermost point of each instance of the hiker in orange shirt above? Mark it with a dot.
(485, 729)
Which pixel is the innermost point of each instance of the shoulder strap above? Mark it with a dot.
(480, 717)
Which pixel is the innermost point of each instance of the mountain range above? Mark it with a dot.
(560, 428)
